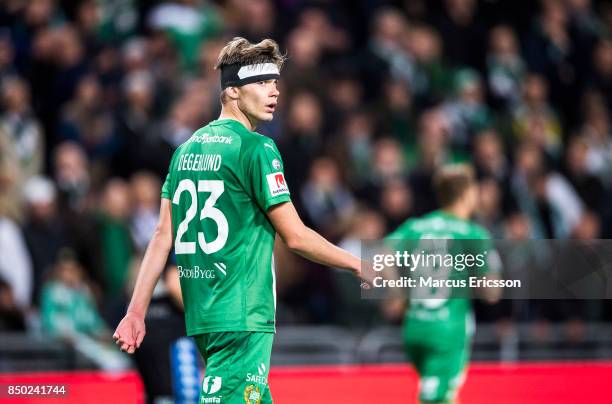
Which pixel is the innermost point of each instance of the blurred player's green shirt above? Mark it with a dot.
(442, 310)
(220, 183)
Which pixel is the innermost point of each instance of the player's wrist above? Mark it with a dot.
(356, 267)
(135, 313)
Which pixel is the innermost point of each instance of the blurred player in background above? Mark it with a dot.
(223, 201)
(437, 329)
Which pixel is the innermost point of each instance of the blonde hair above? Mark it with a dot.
(240, 50)
(451, 181)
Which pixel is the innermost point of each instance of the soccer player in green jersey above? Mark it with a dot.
(437, 329)
(223, 201)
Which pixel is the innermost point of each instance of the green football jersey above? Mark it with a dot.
(445, 308)
(220, 183)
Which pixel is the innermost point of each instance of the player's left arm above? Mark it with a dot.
(307, 242)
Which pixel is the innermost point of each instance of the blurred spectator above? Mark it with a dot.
(585, 27)
(86, 121)
(15, 262)
(491, 161)
(188, 23)
(431, 79)
(136, 122)
(68, 310)
(353, 147)
(76, 204)
(303, 67)
(87, 17)
(430, 152)
(257, 19)
(387, 164)
(135, 55)
(44, 231)
(118, 19)
(344, 95)
(490, 213)
(351, 310)
(534, 119)
(489, 156)
(71, 62)
(366, 224)
(588, 228)
(550, 52)
(546, 197)
(71, 168)
(302, 141)
(467, 112)
(385, 55)
(598, 137)
(505, 67)
(209, 52)
(326, 200)
(35, 15)
(116, 243)
(463, 32)
(21, 146)
(602, 70)
(587, 186)
(516, 227)
(145, 189)
(12, 318)
(10, 198)
(395, 113)
(395, 203)
(21, 137)
(331, 38)
(7, 56)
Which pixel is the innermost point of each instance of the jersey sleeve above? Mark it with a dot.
(266, 177)
(165, 192)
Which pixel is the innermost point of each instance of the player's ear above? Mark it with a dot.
(232, 92)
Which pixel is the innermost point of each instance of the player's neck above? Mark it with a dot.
(459, 211)
(229, 112)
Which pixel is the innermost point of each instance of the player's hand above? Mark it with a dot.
(130, 332)
(364, 273)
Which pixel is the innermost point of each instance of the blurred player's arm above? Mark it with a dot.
(493, 271)
(307, 242)
(490, 295)
(131, 330)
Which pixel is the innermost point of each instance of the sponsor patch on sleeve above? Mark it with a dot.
(276, 184)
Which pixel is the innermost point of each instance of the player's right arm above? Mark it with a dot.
(492, 267)
(307, 242)
(131, 330)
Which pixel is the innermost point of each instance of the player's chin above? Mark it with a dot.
(266, 116)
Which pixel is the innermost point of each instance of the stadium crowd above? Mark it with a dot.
(375, 95)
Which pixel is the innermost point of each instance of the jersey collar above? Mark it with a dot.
(230, 122)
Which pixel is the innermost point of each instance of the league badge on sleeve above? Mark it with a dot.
(276, 184)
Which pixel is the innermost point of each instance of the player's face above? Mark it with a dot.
(472, 198)
(258, 100)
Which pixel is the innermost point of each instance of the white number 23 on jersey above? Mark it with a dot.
(215, 188)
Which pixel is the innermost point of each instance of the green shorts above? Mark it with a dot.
(237, 366)
(441, 366)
